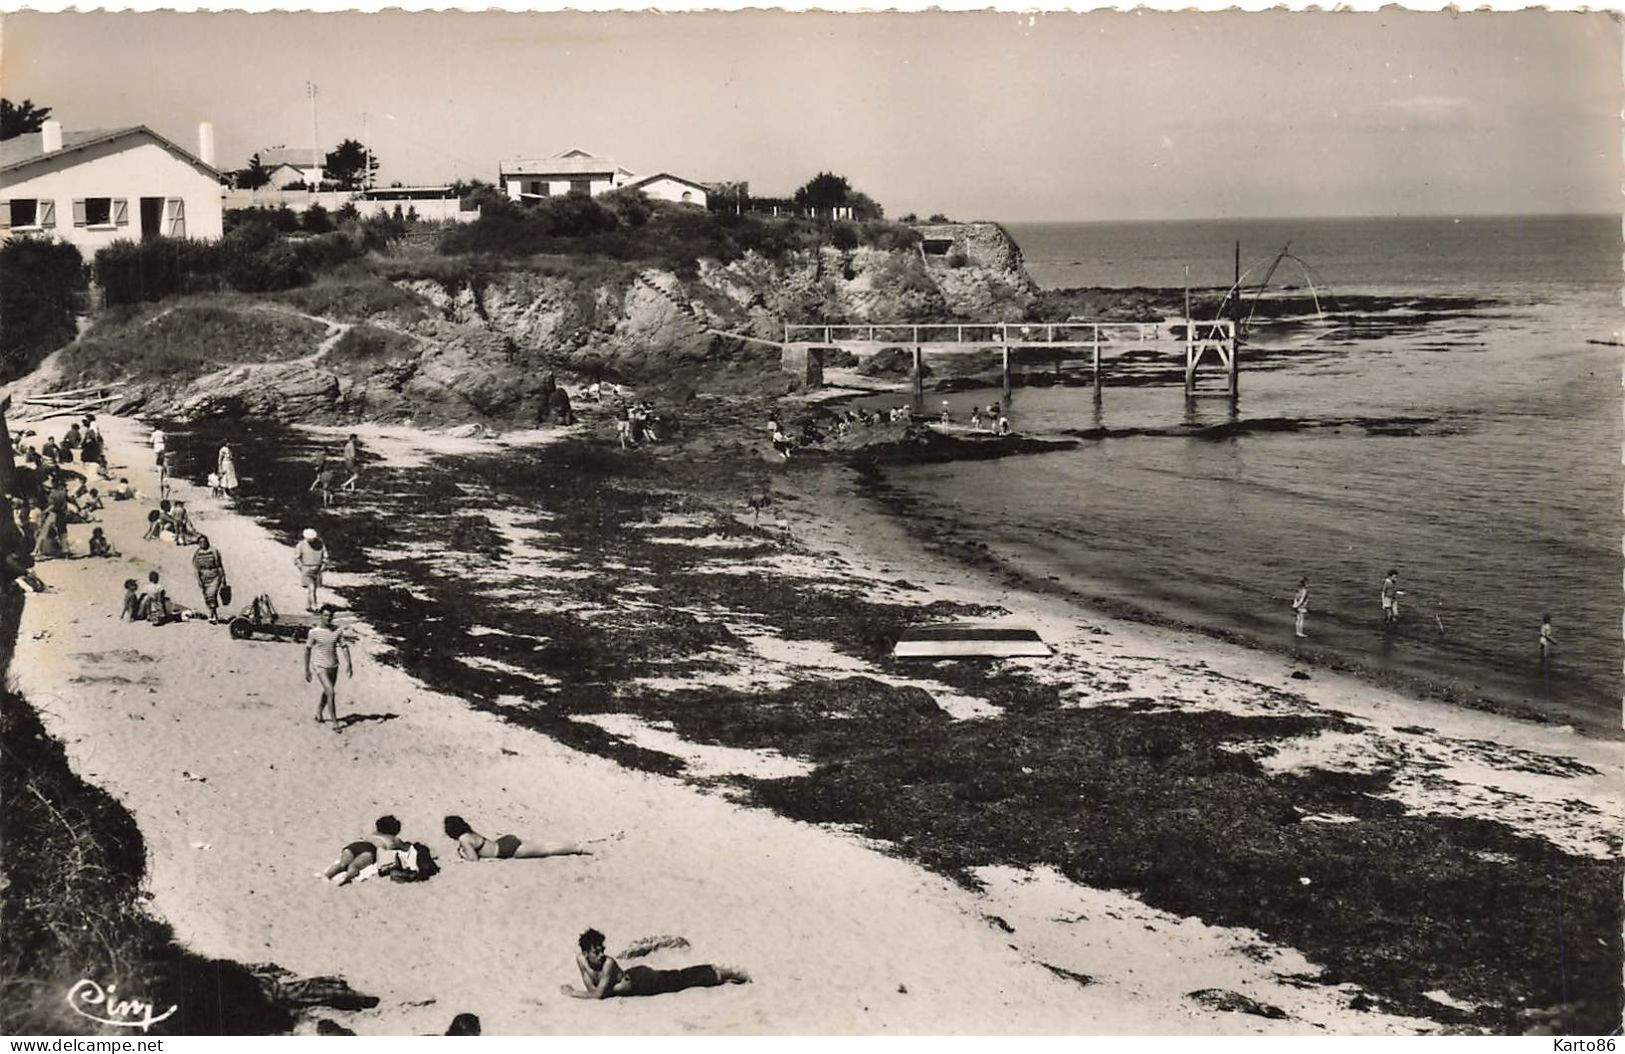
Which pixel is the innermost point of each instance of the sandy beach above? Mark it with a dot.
(243, 798)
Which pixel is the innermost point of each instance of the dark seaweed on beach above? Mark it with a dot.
(1170, 805)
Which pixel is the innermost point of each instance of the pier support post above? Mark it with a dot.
(919, 375)
(1006, 350)
(1235, 365)
(1095, 350)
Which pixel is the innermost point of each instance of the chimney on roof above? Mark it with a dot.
(205, 143)
(50, 136)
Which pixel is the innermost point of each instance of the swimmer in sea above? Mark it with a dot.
(471, 845)
(602, 976)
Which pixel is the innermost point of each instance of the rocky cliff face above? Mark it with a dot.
(479, 348)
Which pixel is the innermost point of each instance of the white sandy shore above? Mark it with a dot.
(840, 937)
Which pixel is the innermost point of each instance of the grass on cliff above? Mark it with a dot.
(185, 339)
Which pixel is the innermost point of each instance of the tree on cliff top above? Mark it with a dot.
(828, 190)
(20, 118)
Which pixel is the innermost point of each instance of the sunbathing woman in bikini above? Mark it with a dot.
(471, 845)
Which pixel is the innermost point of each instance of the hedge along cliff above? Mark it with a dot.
(438, 339)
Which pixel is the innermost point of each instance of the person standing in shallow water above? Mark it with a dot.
(324, 643)
(1390, 598)
(1300, 605)
(1548, 643)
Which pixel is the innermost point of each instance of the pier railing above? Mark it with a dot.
(1005, 334)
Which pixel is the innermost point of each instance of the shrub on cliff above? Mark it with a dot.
(133, 272)
(41, 286)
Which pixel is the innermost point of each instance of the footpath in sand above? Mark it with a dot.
(242, 798)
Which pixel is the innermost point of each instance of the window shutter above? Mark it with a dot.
(5, 214)
(47, 213)
(121, 212)
(177, 217)
(78, 212)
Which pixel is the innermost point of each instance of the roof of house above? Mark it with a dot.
(297, 156)
(641, 180)
(569, 163)
(29, 148)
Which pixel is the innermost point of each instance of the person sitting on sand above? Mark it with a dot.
(99, 545)
(211, 575)
(471, 845)
(155, 526)
(53, 544)
(122, 492)
(603, 977)
(132, 601)
(782, 444)
(358, 855)
(92, 502)
(156, 606)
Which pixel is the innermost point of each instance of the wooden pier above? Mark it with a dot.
(1197, 339)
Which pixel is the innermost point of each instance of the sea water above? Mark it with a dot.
(1496, 496)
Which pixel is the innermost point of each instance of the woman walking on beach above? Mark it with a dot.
(226, 468)
(310, 557)
(352, 461)
(1300, 604)
(211, 575)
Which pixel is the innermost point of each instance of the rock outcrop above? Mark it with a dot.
(475, 347)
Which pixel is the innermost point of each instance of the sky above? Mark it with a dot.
(1058, 116)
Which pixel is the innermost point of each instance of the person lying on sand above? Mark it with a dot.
(364, 852)
(602, 976)
(471, 845)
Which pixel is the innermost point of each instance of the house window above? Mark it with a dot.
(581, 186)
(540, 188)
(688, 197)
(98, 212)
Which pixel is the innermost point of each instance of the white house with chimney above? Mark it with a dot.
(581, 172)
(92, 188)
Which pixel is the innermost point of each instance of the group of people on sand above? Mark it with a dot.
(327, 471)
(46, 495)
(635, 424)
(383, 853)
(994, 417)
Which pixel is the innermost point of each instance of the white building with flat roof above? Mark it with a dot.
(92, 188)
(581, 172)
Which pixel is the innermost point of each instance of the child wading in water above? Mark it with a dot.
(602, 976)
